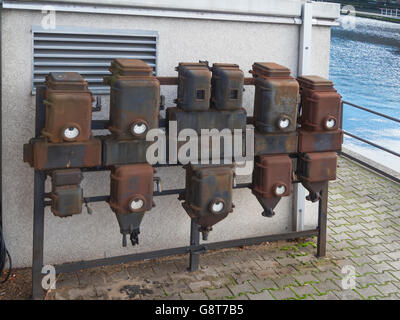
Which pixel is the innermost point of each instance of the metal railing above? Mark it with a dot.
(390, 12)
(370, 142)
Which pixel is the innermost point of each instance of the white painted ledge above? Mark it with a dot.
(262, 11)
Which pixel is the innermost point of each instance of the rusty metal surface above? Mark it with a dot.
(210, 119)
(226, 86)
(173, 81)
(68, 105)
(131, 184)
(129, 181)
(275, 143)
(134, 98)
(43, 155)
(130, 68)
(66, 200)
(316, 167)
(276, 98)
(168, 81)
(119, 152)
(272, 179)
(194, 86)
(314, 170)
(320, 103)
(206, 186)
(66, 177)
(270, 172)
(66, 194)
(320, 141)
(214, 151)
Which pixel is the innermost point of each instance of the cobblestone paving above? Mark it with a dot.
(363, 232)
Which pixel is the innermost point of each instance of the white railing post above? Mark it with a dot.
(299, 192)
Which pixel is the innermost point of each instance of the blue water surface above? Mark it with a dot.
(365, 67)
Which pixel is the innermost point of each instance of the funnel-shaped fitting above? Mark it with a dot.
(314, 188)
(130, 224)
(268, 205)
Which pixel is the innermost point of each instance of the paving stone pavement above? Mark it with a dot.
(363, 240)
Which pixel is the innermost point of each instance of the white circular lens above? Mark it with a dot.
(71, 133)
(139, 128)
(330, 123)
(217, 207)
(280, 190)
(284, 123)
(136, 204)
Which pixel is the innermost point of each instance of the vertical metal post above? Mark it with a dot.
(38, 235)
(194, 240)
(322, 218)
(38, 207)
(299, 192)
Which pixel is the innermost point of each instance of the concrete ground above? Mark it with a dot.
(363, 240)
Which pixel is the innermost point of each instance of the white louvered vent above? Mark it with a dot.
(89, 52)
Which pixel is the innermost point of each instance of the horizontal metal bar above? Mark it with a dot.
(76, 266)
(155, 194)
(80, 71)
(371, 143)
(114, 39)
(92, 56)
(62, 30)
(371, 111)
(373, 168)
(72, 63)
(87, 78)
(64, 47)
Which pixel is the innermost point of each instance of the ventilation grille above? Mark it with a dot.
(89, 52)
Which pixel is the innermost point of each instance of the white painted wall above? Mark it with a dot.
(167, 225)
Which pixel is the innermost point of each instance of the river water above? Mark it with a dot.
(365, 67)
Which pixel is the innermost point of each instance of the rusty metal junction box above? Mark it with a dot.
(276, 98)
(221, 107)
(66, 193)
(320, 116)
(68, 108)
(227, 86)
(272, 180)
(134, 99)
(131, 195)
(66, 140)
(208, 195)
(276, 138)
(288, 149)
(134, 110)
(314, 169)
(194, 86)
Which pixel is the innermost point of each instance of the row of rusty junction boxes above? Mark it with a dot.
(297, 133)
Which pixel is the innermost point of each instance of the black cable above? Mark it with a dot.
(3, 258)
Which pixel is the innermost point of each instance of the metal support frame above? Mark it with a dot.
(195, 248)
(299, 192)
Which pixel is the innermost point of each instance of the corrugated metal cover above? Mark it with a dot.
(89, 52)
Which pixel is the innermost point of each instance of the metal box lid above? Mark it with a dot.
(270, 69)
(131, 67)
(225, 65)
(315, 83)
(192, 65)
(66, 81)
